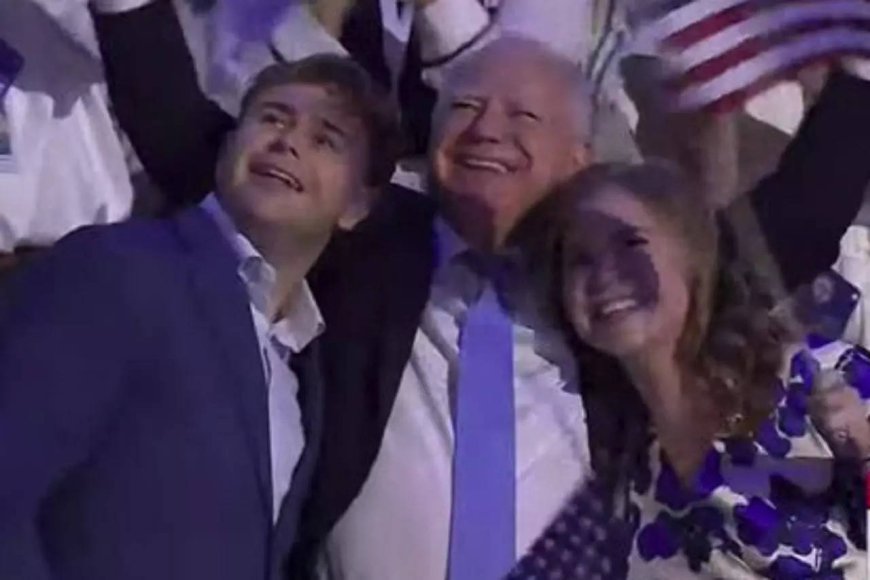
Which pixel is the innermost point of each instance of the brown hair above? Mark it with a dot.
(730, 341)
(344, 77)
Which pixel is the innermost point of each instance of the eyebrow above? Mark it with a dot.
(289, 110)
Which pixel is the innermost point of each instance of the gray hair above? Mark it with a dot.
(580, 92)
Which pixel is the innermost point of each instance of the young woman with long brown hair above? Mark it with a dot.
(699, 400)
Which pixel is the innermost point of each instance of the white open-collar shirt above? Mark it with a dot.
(398, 527)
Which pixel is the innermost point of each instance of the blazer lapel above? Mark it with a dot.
(223, 299)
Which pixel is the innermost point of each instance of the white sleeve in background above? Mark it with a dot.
(448, 29)
(857, 66)
(69, 167)
(228, 57)
(117, 6)
(446, 26)
(299, 35)
(563, 25)
(74, 19)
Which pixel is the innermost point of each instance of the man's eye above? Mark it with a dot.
(635, 241)
(323, 140)
(268, 118)
(527, 115)
(463, 105)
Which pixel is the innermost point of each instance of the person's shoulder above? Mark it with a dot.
(121, 243)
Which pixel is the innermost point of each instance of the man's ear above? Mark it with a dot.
(581, 156)
(359, 207)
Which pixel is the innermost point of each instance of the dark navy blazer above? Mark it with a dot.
(134, 437)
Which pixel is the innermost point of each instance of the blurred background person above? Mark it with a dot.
(64, 165)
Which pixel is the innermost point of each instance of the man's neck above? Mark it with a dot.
(477, 238)
(292, 257)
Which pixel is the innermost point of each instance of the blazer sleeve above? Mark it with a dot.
(64, 345)
(806, 205)
(173, 126)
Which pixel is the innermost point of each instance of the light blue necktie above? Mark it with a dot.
(482, 534)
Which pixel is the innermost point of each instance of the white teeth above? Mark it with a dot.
(616, 306)
(290, 180)
(476, 163)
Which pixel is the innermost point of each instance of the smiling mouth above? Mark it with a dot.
(279, 174)
(609, 309)
(481, 163)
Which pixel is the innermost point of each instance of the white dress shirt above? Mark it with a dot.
(68, 167)
(398, 527)
(278, 341)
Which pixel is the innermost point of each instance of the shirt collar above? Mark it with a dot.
(303, 321)
(450, 246)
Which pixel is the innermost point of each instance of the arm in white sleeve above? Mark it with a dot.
(300, 34)
(448, 30)
(563, 25)
(857, 67)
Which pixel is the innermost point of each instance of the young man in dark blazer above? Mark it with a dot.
(161, 399)
(374, 285)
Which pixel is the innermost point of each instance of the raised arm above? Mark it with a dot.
(448, 30)
(174, 128)
(805, 206)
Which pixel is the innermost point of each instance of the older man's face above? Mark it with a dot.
(507, 131)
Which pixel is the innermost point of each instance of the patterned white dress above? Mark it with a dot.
(776, 506)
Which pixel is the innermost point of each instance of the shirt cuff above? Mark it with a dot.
(117, 6)
(857, 66)
(300, 34)
(446, 27)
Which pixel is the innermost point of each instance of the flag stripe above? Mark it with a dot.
(772, 62)
(721, 50)
(770, 23)
(756, 46)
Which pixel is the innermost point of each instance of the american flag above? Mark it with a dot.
(718, 53)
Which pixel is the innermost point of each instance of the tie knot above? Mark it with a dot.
(495, 269)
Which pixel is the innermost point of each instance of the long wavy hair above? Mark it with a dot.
(731, 347)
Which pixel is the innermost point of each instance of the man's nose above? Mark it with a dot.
(285, 141)
(490, 125)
